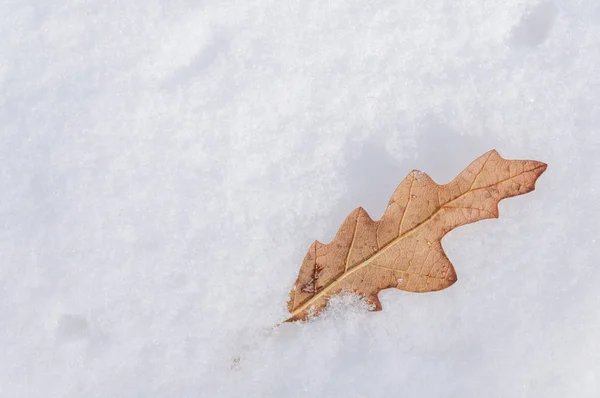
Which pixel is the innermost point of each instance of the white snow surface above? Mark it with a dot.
(165, 165)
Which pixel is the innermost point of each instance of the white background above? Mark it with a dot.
(165, 165)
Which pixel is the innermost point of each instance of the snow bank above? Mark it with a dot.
(166, 164)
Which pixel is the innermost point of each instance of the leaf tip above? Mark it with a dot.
(542, 166)
(538, 168)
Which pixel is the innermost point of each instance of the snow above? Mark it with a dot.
(166, 165)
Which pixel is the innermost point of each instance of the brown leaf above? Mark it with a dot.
(403, 249)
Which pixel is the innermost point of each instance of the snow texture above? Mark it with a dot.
(165, 165)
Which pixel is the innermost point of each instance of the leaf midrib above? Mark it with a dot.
(368, 260)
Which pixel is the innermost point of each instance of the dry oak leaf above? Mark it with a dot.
(403, 249)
